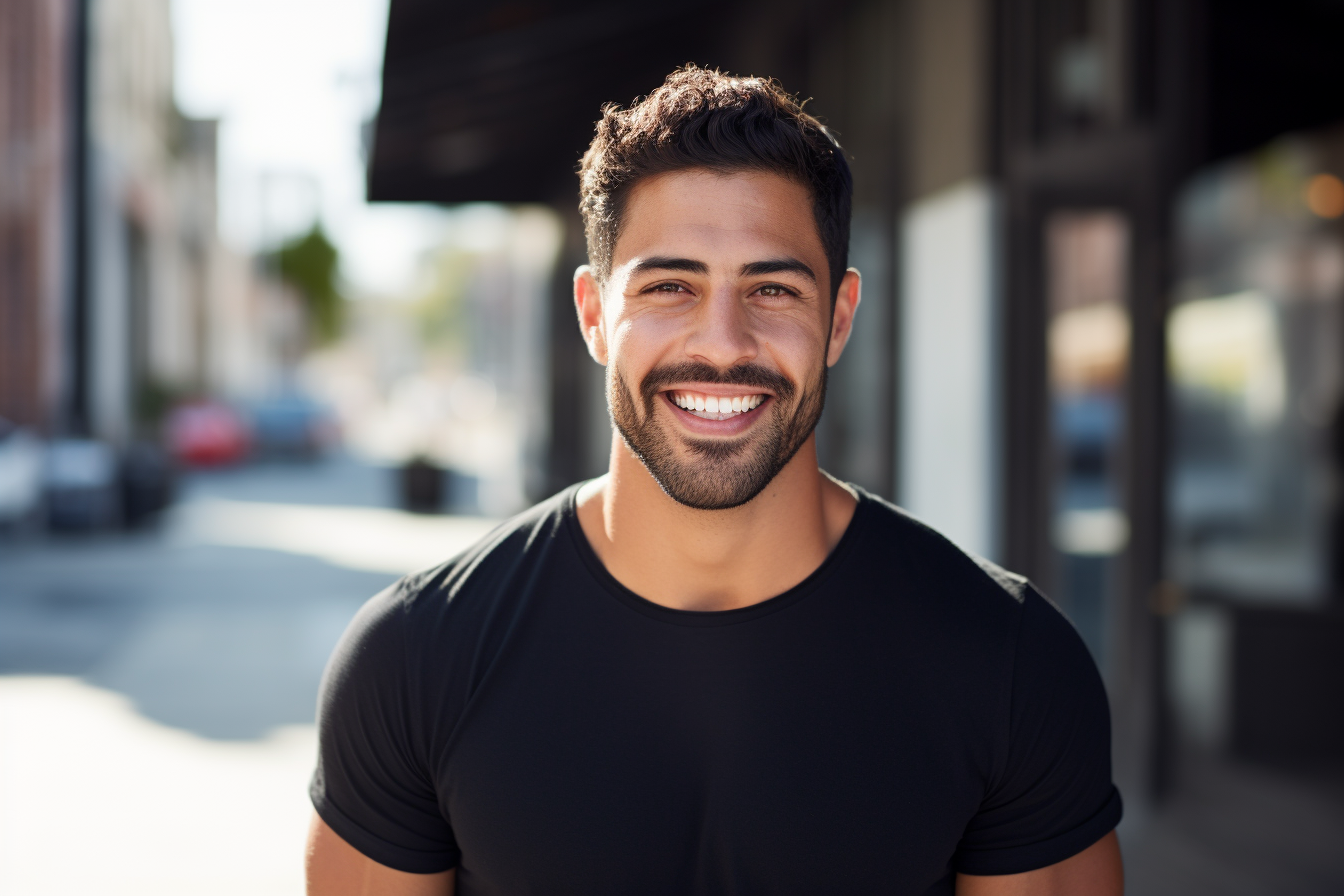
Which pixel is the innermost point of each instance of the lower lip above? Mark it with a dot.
(734, 425)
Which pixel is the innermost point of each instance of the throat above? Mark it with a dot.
(696, 560)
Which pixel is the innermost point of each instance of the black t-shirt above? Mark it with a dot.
(905, 712)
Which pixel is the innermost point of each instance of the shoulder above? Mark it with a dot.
(957, 590)
(917, 553)
(504, 554)
(432, 634)
(453, 600)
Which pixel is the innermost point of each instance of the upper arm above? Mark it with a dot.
(1096, 871)
(1051, 797)
(375, 783)
(335, 868)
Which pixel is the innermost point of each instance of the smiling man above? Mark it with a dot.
(716, 669)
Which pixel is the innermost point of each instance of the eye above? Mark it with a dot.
(666, 288)
(775, 291)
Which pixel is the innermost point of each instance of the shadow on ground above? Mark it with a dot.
(225, 642)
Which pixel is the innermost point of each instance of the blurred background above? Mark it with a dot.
(285, 313)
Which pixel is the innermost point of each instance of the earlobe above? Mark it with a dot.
(842, 315)
(588, 305)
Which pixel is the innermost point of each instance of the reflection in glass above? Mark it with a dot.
(1253, 342)
(1088, 338)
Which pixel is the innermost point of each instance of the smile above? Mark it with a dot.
(716, 407)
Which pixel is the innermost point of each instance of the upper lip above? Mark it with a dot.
(718, 390)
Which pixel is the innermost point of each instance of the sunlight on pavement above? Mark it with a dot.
(364, 538)
(94, 798)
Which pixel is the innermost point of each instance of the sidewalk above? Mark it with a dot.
(1234, 829)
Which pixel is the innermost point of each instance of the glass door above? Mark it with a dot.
(1088, 358)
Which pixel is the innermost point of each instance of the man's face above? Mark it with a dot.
(716, 331)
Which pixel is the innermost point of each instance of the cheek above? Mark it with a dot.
(644, 341)
(793, 345)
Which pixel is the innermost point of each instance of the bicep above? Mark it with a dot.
(1096, 871)
(335, 868)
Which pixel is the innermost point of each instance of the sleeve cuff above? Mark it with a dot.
(381, 851)
(1017, 859)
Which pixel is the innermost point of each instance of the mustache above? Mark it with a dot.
(699, 372)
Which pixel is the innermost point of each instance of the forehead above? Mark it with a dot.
(730, 218)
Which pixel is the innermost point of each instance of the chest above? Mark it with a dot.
(713, 764)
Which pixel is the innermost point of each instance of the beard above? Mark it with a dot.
(715, 474)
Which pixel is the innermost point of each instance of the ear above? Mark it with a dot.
(842, 315)
(588, 304)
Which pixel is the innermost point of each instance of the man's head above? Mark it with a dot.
(718, 218)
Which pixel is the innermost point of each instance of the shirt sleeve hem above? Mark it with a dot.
(1018, 859)
(400, 858)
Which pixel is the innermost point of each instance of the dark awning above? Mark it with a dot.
(496, 101)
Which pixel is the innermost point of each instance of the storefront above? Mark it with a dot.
(1255, 339)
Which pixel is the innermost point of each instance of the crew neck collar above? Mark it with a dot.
(712, 618)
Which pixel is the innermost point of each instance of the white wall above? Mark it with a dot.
(948, 425)
(109, 347)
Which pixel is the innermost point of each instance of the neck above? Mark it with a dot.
(691, 559)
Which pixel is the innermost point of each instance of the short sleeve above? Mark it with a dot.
(373, 785)
(1052, 796)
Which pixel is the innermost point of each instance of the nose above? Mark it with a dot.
(721, 333)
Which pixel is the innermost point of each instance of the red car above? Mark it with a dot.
(207, 434)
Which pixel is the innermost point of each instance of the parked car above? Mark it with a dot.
(20, 474)
(207, 434)
(291, 425)
(82, 486)
(148, 481)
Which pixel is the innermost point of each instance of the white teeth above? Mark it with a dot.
(714, 407)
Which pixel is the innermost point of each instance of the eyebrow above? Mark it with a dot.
(750, 269)
(778, 266)
(667, 263)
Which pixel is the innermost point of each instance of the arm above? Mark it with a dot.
(1096, 871)
(335, 868)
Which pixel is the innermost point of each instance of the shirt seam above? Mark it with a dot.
(420, 745)
(1006, 738)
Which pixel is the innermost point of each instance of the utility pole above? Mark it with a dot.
(76, 416)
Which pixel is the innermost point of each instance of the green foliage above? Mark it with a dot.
(153, 399)
(440, 305)
(309, 264)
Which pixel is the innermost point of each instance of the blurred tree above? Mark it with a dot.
(309, 264)
(440, 307)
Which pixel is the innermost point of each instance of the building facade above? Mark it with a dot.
(111, 261)
(36, 120)
(150, 219)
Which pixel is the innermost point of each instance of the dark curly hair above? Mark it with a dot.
(702, 118)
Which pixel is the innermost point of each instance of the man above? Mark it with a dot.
(714, 670)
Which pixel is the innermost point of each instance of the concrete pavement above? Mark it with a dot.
(157, 689)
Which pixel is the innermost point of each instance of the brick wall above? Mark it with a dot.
(34, 123)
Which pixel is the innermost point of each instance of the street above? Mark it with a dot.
(157, 688)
